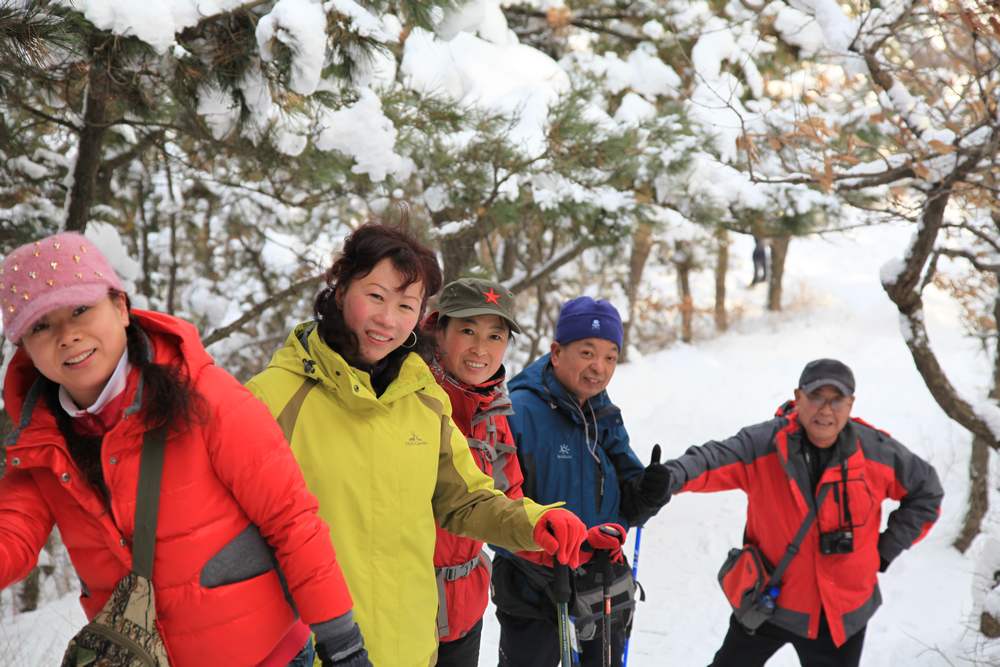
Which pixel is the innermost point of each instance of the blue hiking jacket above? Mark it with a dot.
(579, 455)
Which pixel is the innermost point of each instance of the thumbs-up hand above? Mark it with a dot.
(654, 487)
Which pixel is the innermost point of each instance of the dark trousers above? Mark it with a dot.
(741, 649)
(464, 651)
(533, 642)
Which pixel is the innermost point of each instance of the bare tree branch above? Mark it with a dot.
(258, 309)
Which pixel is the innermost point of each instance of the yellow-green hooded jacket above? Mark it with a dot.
(384, 468)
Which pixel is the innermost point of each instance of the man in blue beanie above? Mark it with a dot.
(573, 447)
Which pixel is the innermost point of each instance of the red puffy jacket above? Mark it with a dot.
(222, 476)
(766, 462)
(463, 569)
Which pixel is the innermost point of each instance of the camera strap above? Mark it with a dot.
(793, 546)
(849, 524)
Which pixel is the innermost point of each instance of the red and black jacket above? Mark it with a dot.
(766, 462)
(462, 566)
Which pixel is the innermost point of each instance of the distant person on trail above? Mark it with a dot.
(473, 324)
(372, 430)
(238, 559)
(759, 260)
(815, 480)
(572, 445)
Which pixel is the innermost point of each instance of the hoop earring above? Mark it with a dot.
(411, 345)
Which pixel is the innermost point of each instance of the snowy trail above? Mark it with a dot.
(689, 394)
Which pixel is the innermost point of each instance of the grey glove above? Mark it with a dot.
(339, 643)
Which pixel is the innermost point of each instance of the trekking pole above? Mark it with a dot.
(561, 593)
(635, 556)
(606, 590)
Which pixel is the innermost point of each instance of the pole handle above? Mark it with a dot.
(560, 590)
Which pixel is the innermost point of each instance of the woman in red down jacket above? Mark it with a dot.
(237, 529)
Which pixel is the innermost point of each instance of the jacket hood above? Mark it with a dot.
(307, 355)
(540, 379)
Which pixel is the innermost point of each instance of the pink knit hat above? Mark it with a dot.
(61, 270)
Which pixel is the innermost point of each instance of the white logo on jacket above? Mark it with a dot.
(564, 452)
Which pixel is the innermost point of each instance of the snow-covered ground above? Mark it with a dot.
(689, 394)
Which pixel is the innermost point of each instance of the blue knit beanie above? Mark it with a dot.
(584, 317)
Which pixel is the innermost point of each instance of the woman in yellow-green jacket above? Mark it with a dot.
(372, 431)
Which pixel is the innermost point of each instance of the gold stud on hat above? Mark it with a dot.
(26, 296)
(50, 282)
(54, 265)
(16, 268)
(79, 276)
(38, 246)
(76, 258)
(56, 245)
(98, 274)
(32, 274)
(83, 248)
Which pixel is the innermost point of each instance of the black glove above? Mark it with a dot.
(339, 643)
(654, 487)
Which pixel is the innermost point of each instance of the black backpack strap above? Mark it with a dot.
(793, 546)
(147, 501)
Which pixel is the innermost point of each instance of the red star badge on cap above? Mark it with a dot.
(492, 297)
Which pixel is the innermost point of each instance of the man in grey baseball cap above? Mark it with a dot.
(815, 480)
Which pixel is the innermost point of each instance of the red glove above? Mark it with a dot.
(608, 537)
(561, 534)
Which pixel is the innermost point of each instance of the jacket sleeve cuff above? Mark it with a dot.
(888, 549)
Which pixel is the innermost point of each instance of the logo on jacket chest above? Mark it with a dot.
(564, 452)
(414, 440)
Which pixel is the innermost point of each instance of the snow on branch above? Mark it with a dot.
(451, 229)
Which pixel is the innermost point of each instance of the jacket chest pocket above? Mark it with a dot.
(849, 505)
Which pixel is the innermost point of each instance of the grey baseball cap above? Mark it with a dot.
(827, 372)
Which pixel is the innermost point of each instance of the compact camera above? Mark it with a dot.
(836, 542)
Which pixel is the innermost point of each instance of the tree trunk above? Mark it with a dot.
(27, 595)
(979, 462)
(457, 253)
(779, 250)
(89, 153)
(721, 270)
(642, 244)
(684, 263)
(978, 502)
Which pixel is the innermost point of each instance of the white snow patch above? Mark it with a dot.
(301, 26)
(363, 131)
